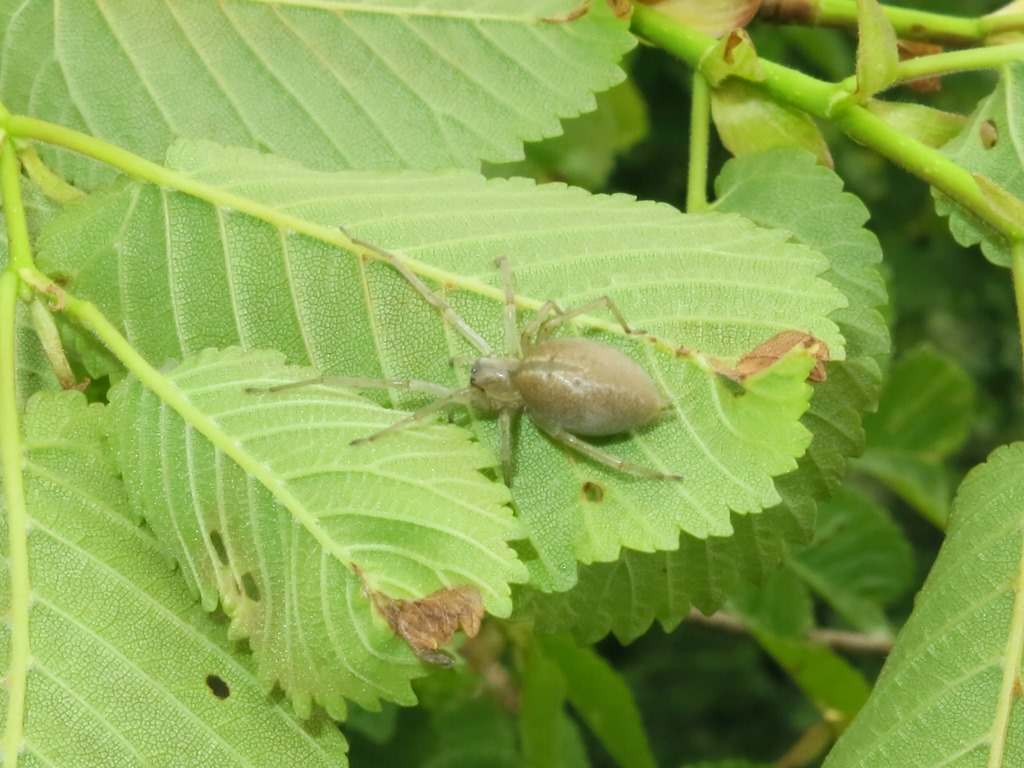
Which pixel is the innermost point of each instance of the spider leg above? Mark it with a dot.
(560, 317)
(513, 343)
(432, 297)
(505, 432)
(362, 382)
(458, 396)
(538, 321)
(602, 456)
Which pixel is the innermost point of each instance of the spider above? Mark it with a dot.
(569, 387)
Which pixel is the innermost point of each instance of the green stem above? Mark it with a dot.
(133, 165)
(19, 243)
(831, 102)
(16, 679)
(11, 459)
(909, 23)
(1017, 255)
(49, 339)
(49, 182)
(168, 392)
(948, 63)
(700, 131)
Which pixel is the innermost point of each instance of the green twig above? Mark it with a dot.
(19, 243)
(49, 182)
(700, 129)
(133, 165)
(948, 63)
(831, 102)
(11, 460)
(909, 23)
(165, 388)
(1017, 255)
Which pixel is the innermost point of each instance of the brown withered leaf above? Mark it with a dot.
(428, 624)
(712, 17)
(913, 49)
(561, 18)
(621, 8)
(776, 347)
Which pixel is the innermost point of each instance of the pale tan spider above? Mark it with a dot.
(569, 387)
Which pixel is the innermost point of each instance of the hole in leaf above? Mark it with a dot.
(217, 542)
(989, 134)
(217, 686)
(252, 590)
(593, 492)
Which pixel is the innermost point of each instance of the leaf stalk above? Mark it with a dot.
(12, 457)
(832, 102)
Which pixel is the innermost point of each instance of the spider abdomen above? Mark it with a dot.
(585, 387)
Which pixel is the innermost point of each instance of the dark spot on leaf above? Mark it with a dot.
(989, 134)
(429, 623)
(593, 492)
(217, 686)
(252, 591)
(218, 546)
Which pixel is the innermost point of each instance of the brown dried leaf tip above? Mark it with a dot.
(913, 49)
(428, 624)
(562, 18)
(776, 347)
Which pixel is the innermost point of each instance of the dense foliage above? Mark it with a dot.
(208, 203)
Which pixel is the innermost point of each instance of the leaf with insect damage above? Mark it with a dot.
(430, 622)
(126, 669)
(786, 190)
(180, 273)
(991, 145)
(301, 537)
(766, 355)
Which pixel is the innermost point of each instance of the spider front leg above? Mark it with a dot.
(457, 397)
(430, 296)
(505, 435)
(602, 456)
(445, 396)
(551, 316)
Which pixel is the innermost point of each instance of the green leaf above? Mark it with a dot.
(585, 154)
(877, 55)
(472, 732)
(924, 415)
(921, 481)
(930, 126)
(830, 681)
(549, 738)
(179, 275)
(732, 56)
(749, 122)
(926, 407)
(603, 701)
(990, 145)
(364, 84)
(779, 189)
(126, 668)
(859, 560)
(949, 692)
(297, 531)
(779, 614)
(781, 605)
